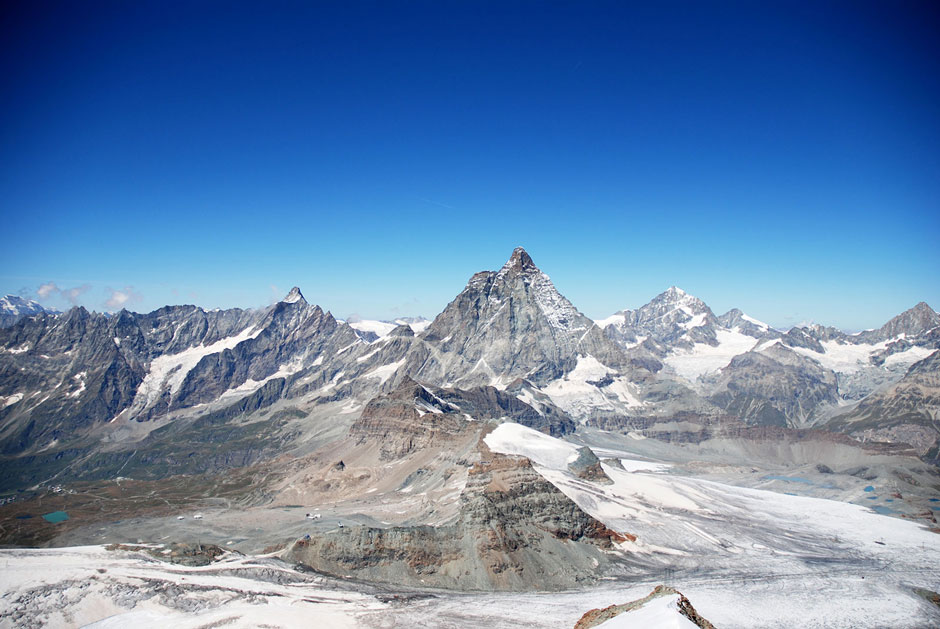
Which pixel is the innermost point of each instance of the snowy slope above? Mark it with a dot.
(689, 522)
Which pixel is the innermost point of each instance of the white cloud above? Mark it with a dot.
(71, 295)
(122, 297)
(47, 289)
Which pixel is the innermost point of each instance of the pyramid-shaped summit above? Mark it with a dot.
(294, 296)
(513, 323)
(519, 262)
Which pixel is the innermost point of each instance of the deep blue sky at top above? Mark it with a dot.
(779, 157)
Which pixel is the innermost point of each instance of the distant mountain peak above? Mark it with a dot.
(519, 262)
(912, 322)
(16, 305)
(294, 296)
(678, 298)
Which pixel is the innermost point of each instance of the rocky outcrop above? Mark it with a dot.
(407, 419)
(588, 467)
(515, 531)
(415, 416)
(775, 387)
(684, 607)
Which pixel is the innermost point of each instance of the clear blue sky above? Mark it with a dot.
(783, 158)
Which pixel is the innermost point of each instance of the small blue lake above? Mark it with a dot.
(935, 500)
(789, 479)
(56, 516)
(871, 497)
(869, 488)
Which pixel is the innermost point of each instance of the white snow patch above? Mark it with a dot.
(363, 359)
(704, 359)
(171, 370)
(843, 357)
(416, 326)
(250, 385)
(381, 328)
(80, 378)
(526, 397)
(542, 449)
(561, 314)
(117, 341)
(695, 321)
(614, 319)
(765, 345)
(647, 493)
(759, 324)
(660, 613)
(384, 372)
(9, 400)
(350, 407)
(575, 394)
(909, 356)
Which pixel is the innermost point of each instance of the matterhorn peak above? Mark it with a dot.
(294, 296)
(519, 262)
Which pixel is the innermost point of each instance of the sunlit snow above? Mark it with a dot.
(704, 359)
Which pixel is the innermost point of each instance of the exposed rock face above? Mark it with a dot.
(907, 412)
(801, 337)
(776, 387)
(736, 319)
(675, 326)
(671, 320)
(515, 531)
(409, 418)
(509, 345)
(588, 467)
(63, 375)
(512, 324)
(684, 607)
(912, 322)
(415, 416)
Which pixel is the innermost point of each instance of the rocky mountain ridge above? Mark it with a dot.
(74, 381)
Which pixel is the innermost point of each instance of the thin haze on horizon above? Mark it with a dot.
(780, 159)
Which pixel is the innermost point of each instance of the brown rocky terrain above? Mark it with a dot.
(596, 617)
(514, 531)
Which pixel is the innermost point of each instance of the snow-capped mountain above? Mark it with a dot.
(755, 373)
(13, 308)
(510, 324)
(511, 443)
(151, 382)
(672, 319)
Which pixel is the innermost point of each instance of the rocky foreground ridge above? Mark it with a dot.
(683, 606)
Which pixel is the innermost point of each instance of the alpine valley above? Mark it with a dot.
(510, 463)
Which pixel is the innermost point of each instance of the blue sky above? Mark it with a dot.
(778, 157)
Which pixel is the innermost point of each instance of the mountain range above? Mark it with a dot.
(78, 389)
